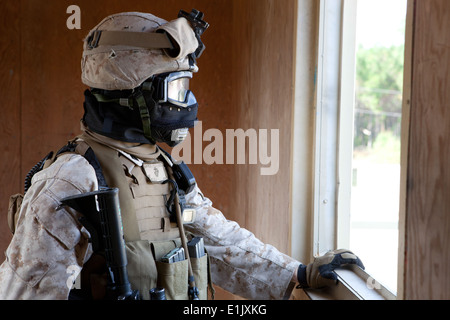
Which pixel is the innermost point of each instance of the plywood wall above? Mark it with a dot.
(427, 241)
(245, 81)
(10, 119)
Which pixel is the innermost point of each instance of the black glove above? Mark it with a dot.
(320, 273)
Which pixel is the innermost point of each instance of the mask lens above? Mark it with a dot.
(177, 89)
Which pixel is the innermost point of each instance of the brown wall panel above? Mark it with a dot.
(10, 118)
(427, 263)
(51, 89)
(263, 70)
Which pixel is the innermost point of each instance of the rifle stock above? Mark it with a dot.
(102, 218)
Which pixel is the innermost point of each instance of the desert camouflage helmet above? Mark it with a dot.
(125, 49)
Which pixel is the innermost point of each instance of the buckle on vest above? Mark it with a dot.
(188, 215)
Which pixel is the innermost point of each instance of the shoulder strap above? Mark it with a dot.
(72, 147)
(83, 149)
(38, 167)
(93, 161)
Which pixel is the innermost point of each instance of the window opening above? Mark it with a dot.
(380, 46)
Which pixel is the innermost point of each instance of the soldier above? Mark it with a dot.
(138, 68)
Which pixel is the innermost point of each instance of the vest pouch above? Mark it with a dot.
(15, 202)
(173, 277)
(200, 270)
(141, 267)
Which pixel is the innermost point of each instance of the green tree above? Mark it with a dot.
(379, 85)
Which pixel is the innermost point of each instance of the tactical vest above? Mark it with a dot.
(149, 232)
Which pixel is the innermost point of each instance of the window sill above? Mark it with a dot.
(354, 284)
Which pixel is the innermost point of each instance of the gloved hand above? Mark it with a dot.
(320, 273)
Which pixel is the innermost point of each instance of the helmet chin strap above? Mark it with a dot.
(142, 105)
(160, 131)
(145, 115)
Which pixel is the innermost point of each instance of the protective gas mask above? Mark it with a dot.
(162, 109)
(172, 107)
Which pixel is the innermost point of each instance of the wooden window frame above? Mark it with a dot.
(333, 91)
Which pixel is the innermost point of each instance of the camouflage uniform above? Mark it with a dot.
(48, 241)
(50, 246)
(241, 263)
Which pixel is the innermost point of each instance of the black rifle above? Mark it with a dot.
(101, 217)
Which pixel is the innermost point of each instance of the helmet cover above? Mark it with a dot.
(122, 66)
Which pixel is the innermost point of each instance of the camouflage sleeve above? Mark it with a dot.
(240, 263)
(49, 246)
